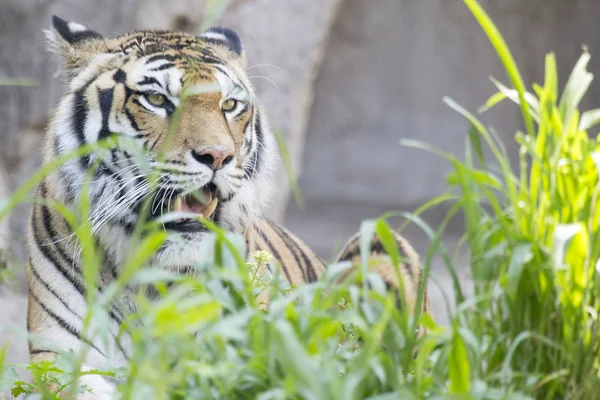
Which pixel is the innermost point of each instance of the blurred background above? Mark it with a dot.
(342, 80)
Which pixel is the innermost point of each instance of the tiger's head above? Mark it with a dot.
(185, 102)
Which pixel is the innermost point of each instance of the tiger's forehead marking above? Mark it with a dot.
(168, 61)
(179, 48)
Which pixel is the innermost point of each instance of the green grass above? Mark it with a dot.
(529, 331)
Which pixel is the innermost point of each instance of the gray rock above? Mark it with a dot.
(388, 65)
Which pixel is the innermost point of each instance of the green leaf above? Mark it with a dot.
(562, 234)
(505, 57)
(521, 255)
(476, 143)
(367, 230)
(551, 78)
(491, 102)
(388, 241)
(213, 12)
(589, 119)
(576, 86)
(458, 365)
(287, 164)
(513, 95)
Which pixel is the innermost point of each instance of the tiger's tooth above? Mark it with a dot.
(210, 207)
(178, 204)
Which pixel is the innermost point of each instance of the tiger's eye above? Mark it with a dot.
(229, 104)
(156, 99)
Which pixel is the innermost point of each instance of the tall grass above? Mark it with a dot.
(529, 331)
(532, 237)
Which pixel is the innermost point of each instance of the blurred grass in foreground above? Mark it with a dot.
(530, 331)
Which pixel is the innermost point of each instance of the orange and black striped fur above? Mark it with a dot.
(180, 107)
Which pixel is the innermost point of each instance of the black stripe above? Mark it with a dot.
(163, 67)
(148, 80)
(211, 60)
(353, 241)
(48, 226)
(80, 112)
(43, 246)
(165, 57)
(120, 76)
(247, 242)
(129, 227)
(112, 314)
(274, 252)
(116, 315)
(64, 324)
(248, 139)
(224, 72)
(259, 142)
(253, 164)
(293, 247)
(407, 265)
(349, 254)
(375, 248)
(230, 39)
(44, 249)
(45, 284)
(33, 352)
(130, 117)
(110, 380)
(48, 288)
(228, 198)
(133, 123)
(240, 113)
(323, 263)
(136, 101)
(249, 168)
(115, 173)
(105, 97)
(391, 288)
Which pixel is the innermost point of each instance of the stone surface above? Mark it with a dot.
(12, 323)
(388, 65)
(4, 192)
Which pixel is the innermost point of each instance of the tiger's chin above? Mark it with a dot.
(185, 252)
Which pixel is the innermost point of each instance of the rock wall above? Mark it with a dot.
(4, 192)
(388, 65)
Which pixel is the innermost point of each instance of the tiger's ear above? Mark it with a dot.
(227, 43)
(75, 44)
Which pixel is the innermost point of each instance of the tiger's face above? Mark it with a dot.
(186, 105)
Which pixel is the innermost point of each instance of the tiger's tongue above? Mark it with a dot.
(197, 203)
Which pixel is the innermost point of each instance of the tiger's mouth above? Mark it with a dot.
(202, 202)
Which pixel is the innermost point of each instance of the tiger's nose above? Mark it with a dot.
(213, 158)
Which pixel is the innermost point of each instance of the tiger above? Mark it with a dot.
(217, 164)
